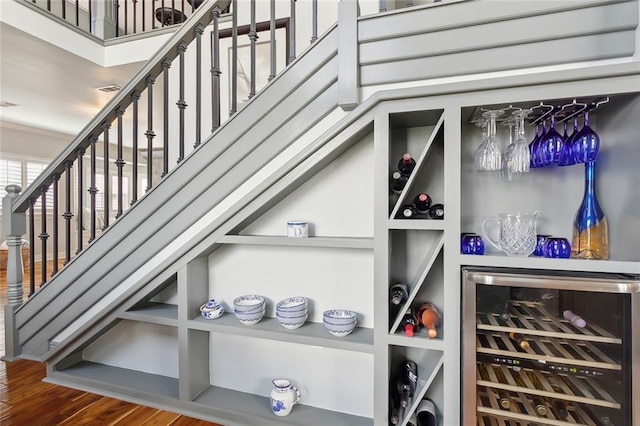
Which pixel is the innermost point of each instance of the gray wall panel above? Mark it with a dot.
(585, 48)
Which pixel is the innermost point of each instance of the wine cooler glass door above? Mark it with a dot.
(546, 349)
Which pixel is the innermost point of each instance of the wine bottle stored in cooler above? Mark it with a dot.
(519, 340)
(538, 403)
(398, 293)
(574, 319)
(407, 382)
(422, 202)
(429, 318)
(559, 406)
(406, 164)
(436, 211)
(398, 182)
(409, 323)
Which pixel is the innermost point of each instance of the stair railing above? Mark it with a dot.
(85, 188)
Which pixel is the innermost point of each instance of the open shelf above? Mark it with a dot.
(428, 367)
(313, 334)
(155, 313)
(330, 242)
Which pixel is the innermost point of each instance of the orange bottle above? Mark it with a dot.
(429, 317)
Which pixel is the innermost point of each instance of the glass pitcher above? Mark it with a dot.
(516, 232)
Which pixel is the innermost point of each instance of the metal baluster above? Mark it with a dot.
(144, 16)
(77, 14)
(234, 58)
(153, 8)
(253, 36)
(49, 5)
(198, 31)
(32, 244)
(64, 10)
(182, 48)
(119, 160)
(135, 14)
(215, 71)
(93, 189)
(272, 41)
(54, 255)
(126, 17)
(90, 15)
(149, 133)
(136, 97)
(105, 129)
(67, 215)
(80, 154)
(43, 235)
(173, 15)
(166, 64)
(117, 12)
(314, 23)
(292, 33)
(162, 6)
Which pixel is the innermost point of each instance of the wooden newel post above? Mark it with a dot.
(15, 225)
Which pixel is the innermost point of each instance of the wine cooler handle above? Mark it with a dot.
(485, 230)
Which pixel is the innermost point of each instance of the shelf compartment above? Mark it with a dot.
(490, 413)
(437, 134)
(536, 320)
(548, 351)
(428, 368)
(577, 389)
(154, 313)
(273, 240)
(416, 282)
(311, 333)
(254, 409)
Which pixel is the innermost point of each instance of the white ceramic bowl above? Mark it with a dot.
(292, 323)
(249, 318)
(339, 316)
(248, 303)
(340, 330)
(292, 314)
(292, 304)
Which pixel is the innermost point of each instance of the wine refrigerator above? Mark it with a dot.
(541, 348)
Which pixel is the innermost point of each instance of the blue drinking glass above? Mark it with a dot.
(566, 154)
(541, 240)
(557, 247)
(472, 244)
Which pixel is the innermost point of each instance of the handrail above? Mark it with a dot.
(169, 50)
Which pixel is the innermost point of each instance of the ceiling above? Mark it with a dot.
(53, 88)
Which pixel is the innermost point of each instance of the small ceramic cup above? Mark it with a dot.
(211, 310)
(557, 248)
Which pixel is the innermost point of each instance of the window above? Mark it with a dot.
(15, 171)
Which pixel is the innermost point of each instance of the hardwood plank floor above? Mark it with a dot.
(25, 400)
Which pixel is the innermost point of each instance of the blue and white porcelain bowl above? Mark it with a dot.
(249, 303)
(292, 304)
(292, 323)
(339, 330)
(292, 314)
(339, 316)
(249, 318)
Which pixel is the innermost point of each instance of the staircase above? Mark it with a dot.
(286, 134)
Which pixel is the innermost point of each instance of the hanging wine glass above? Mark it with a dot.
(477, 161)
(506, 173)
(535, 151)
(566, 154)
(551, 144)
(520, 159)
(489, 155)
(587, 143)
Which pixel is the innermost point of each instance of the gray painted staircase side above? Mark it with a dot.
(281, 113)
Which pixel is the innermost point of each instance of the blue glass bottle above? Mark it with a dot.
(590, 231)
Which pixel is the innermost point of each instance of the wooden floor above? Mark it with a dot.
(25, 400)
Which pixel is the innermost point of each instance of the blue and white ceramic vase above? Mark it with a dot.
(283, 397)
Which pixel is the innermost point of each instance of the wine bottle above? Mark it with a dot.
(398, 293)
(429, 318)
(558, 405)
(408, 211)
(574, 319)
(426, 413)
(504, 400)
(406, 164)
(407, 382)
(409, 323)
(398, 182)
(436, 211)
(590, 230)
(519, 340)
(394, 407)
(538, 403)
(422, 202)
